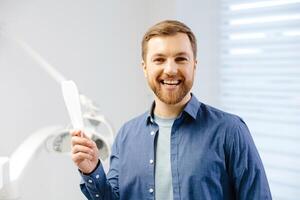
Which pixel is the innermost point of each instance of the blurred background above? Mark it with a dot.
(248, 64)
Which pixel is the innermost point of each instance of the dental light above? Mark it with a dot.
(55, 139)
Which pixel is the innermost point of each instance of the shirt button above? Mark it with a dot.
(97, 195)
(151, 190)
(90, 181)
(151, 161)
(97, 176)
(152, 133)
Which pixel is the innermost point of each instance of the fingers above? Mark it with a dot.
(77, 140)
(83, 148)
(78, 136)
(80, 156)
(78, 133)
(75, 133)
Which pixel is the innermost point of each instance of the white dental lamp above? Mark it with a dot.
(54, 139)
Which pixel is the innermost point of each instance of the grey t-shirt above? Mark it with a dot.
(163, 174)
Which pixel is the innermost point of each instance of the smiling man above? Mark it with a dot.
(169, 66)
(180, 148)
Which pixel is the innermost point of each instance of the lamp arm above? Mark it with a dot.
(20, 160)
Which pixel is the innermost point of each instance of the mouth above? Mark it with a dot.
(170, 82)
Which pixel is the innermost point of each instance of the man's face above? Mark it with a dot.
(169, 67)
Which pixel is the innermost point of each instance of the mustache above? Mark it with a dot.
(170, 77)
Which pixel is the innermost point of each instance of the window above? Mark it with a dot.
(260, 81)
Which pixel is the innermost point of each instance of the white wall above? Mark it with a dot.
(97, 44)
(202, 17)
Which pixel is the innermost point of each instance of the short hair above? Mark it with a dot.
(168, 28)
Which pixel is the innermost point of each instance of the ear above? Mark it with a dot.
(195, 64)
(143, 64)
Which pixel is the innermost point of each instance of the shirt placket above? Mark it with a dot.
(174, 159)
(151, 186)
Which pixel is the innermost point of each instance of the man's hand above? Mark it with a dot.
(84, 152)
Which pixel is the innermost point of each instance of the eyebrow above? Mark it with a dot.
(158, 55)
(182, 54)
(177, 54)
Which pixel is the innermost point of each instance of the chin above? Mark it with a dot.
(171, 98)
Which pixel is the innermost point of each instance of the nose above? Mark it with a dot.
(170, 68)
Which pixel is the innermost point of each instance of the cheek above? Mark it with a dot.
(150, 76)
(191, 73)
(152, 73)
(188, 74)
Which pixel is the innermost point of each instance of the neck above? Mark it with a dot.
(170, 110)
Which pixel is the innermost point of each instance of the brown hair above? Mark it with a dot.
(168, 28)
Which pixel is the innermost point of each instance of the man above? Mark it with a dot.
(181, 148)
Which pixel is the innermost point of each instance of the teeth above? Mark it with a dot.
(171, 82)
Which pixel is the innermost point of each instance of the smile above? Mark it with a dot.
(170, 82)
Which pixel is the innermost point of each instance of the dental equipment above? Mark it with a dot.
(54, 139)
(72, 101)
(3, 170)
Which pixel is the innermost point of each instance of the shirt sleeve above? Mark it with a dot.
(98, 186)
(245, 166)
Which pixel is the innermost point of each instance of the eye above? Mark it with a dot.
(158, 60)
(181, 59)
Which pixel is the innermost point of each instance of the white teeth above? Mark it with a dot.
(171, 82)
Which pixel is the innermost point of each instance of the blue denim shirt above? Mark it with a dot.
(212, 157)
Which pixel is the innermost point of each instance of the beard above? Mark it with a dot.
(174, 96)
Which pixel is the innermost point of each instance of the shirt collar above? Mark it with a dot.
(191, 109)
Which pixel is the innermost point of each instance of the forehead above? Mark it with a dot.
(169, 45)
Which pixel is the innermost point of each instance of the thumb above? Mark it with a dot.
(84, 134)
(79, 133)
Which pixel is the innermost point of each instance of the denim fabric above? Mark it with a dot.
(212, 157)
